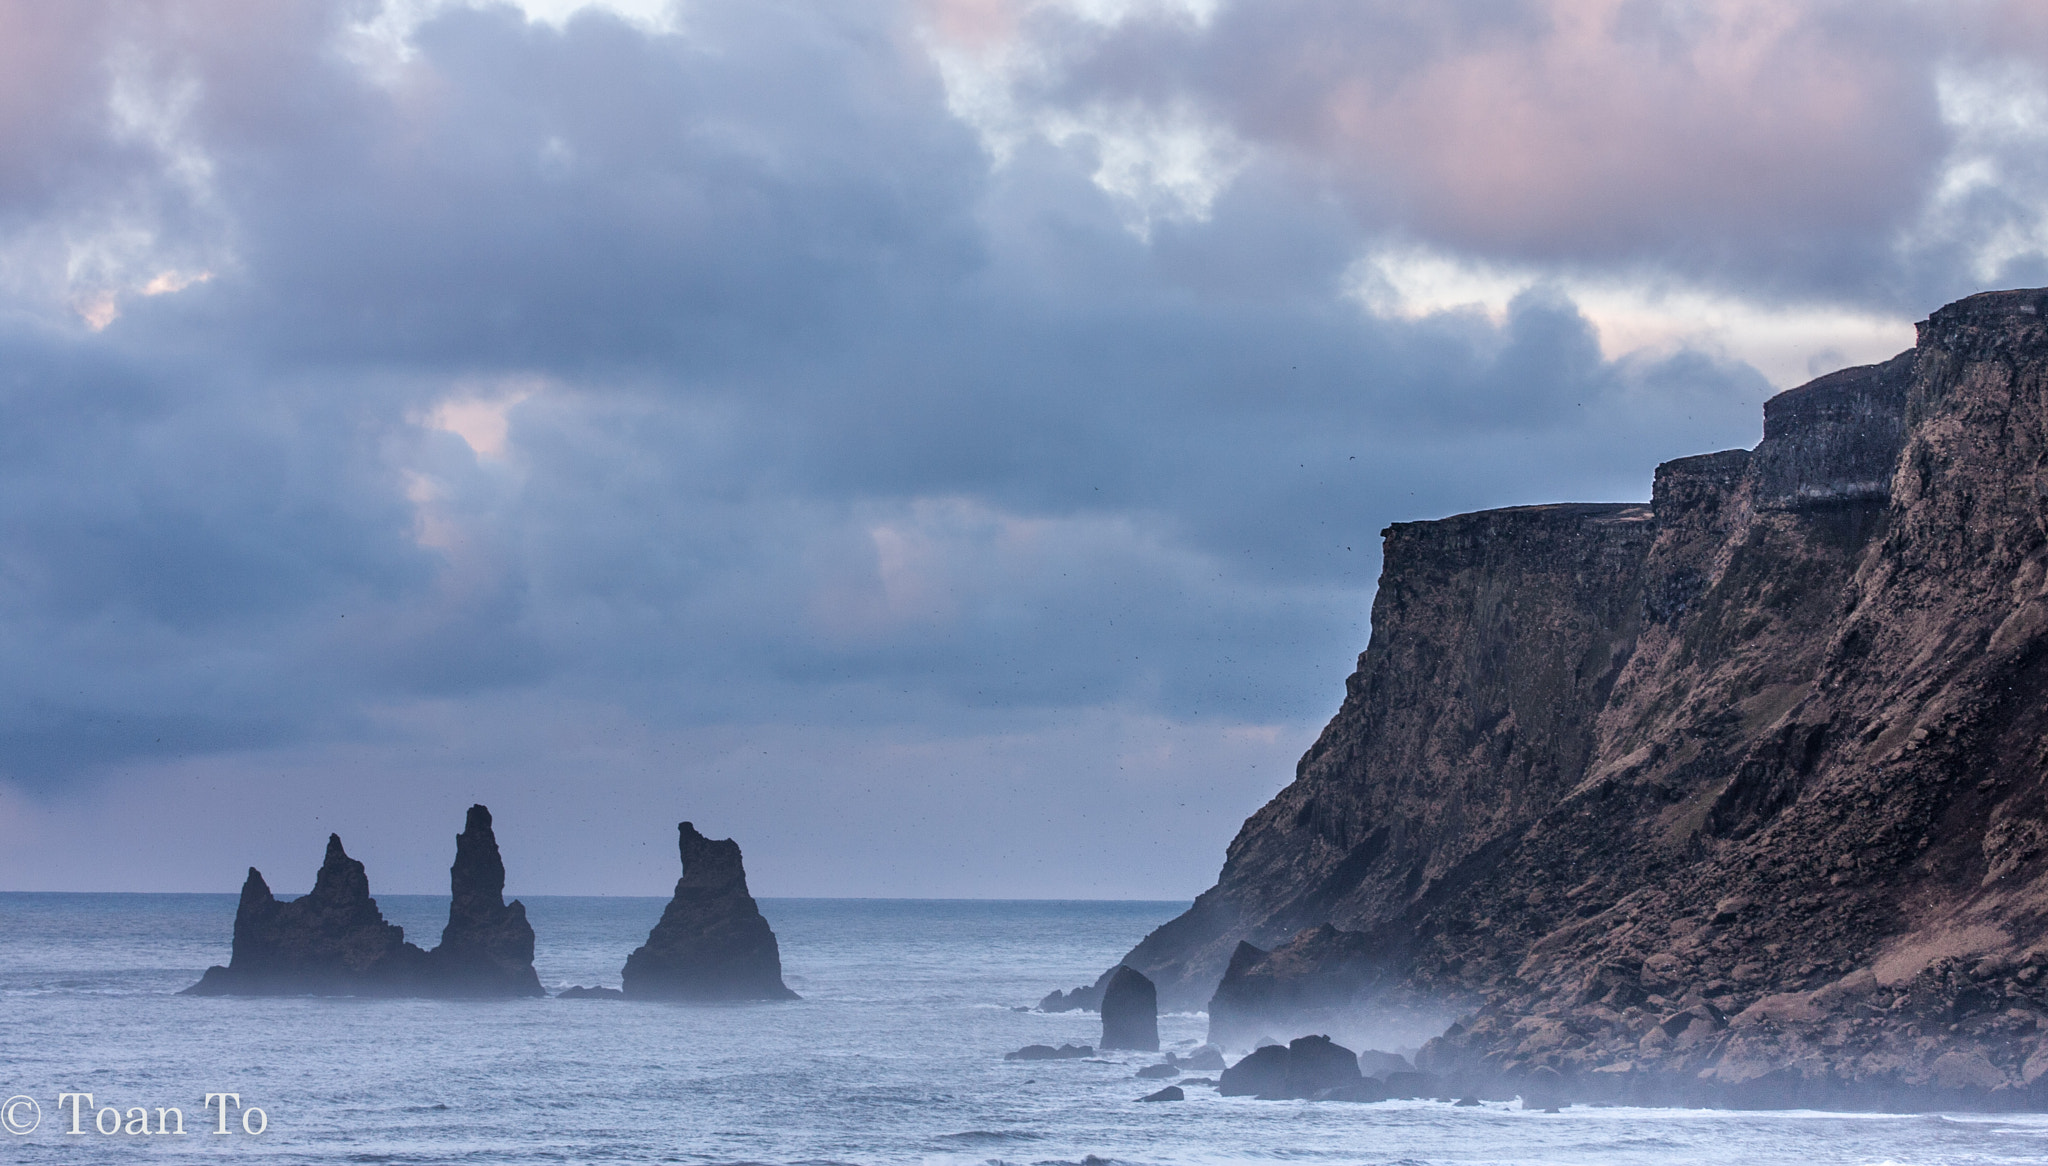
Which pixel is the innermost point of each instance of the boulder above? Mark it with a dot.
(1170, 1093)
(332, 942)
(1408, 1086)
(1204, 1059)
(1158, 1072)
(487, 947)
(1130, 1012)
(1374, 1063)
(1261, 1074)
(1316, 1063)
(711, 943)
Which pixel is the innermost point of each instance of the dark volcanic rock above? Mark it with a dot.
(1130, 1012)
(1735, 798)
(1262, 1073)
(1205, 1059)
(1086, 998)
(1316, 1063)
(580, 993)
(1159, 1072)
(332, 942)
(712, 943)
(1049, 1053)
(1170, 1093)
(487, 947)
(1374, 1063)
(1367, 1090)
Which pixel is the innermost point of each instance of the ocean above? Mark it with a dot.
(895, 1055)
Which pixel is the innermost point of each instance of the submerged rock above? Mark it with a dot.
(1170, 1093)
(487, 947)
(711, 943)
(1204, 1059)
(1130, 1012)
(1158, 1072)
(580, 993)
(1049, 1053)
(332, 942)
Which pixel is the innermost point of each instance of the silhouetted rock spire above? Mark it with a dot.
(487, 947)
(335, 942)
(711, 943)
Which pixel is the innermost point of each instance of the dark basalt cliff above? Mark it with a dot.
(335, 942)
(1737, 798)
(711, 943)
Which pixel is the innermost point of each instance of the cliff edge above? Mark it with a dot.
(1737, 798)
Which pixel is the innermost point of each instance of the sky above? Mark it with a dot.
(941, 444)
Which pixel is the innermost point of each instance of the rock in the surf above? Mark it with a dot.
(711, 943)
(332, 942)
(487, 947)
(1130, 1012)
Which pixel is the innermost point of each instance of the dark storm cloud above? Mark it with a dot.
(690, 382)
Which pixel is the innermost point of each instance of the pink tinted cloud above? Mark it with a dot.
(1552, 129)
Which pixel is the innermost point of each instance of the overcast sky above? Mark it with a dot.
(940, 444)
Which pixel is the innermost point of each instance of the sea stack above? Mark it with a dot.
(333, 942)
(1130, 1012)
(487, 947)
(712, 943)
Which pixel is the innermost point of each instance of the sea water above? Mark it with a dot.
(894, 1055)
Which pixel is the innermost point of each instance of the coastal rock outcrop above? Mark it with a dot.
(711, 943)
(1130, 1012)
(335, 942)
(487, 947)
(1735, 798)
(332, 942)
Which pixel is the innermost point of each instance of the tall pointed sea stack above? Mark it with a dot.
(333, 942)
(487, 947)
(712, 943)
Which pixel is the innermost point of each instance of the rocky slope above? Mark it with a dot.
(711, 943)
(1738, 797)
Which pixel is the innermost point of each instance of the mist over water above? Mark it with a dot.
(893, 1056)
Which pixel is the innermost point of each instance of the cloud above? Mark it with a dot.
(961, 406)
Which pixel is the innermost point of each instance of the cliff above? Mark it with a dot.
(711, 943)
(1737, 798)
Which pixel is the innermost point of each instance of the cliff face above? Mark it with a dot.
(1735, 798)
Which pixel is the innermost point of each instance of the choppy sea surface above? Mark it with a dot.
(893, 1056)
